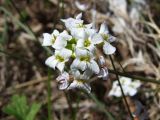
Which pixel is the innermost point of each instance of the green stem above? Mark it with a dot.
(49, 94)
(71, 109)
(124, 97)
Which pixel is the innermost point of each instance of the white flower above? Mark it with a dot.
(77, 28)
(61, 40)
(58, 59)
(49, 39)
(80, 80)
(85, 60)
(89, 41)
(107, 38)
(73, 22)
(81, 30)
(63, 80)
(115, 91)
(129, 87)
(56, 40)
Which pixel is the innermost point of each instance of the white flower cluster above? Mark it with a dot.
(129, 87)
(77, 45)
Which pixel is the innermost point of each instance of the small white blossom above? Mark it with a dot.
(107, 38)
(56, 40)
(129, 87)
(89, 41)
(73, 22)
(85, 60)
(63, 80)
(80, 80)
(58, 59)
(49, 39)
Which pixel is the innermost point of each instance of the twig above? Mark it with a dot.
(124, 97)
(140, 78)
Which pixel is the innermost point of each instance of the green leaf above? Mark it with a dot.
(20, 110)
(17, 107)
(33, 111)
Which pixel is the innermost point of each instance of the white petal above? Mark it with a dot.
(55, 33)
(111, 38)
(51, 62)
(91, 48)
(78, 33)
(64, 75)
(59, 43)
(136, 84)
(90, 32)
(66, 53)
(82, 65)
(132, 91)
(72, 85)
(96, 38)
(87, 74)
(64, 35)
(76, 73)
(63, 80)
(89, 26)
(76, 84)
(60, 66)
(80, 43)
(81, 52)
(103, 29)
(94, 67)
(63, 85)
(47, 39)
(115, 92)
(125, 81)
(108, 48)
(103, 73)
(79, 16)
(75, 63)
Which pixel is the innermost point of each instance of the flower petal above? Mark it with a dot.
(96, 38)
(60, 66)
(94, 67)
(81, 52)
(66, 53)
(79, 16)
(55, 33)
(65, 36)
(75, 63)
(103, 29)
(63, 80)
(108, 48)
(59, 43)
(51, 62)
(47, 39)
(103, 73)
